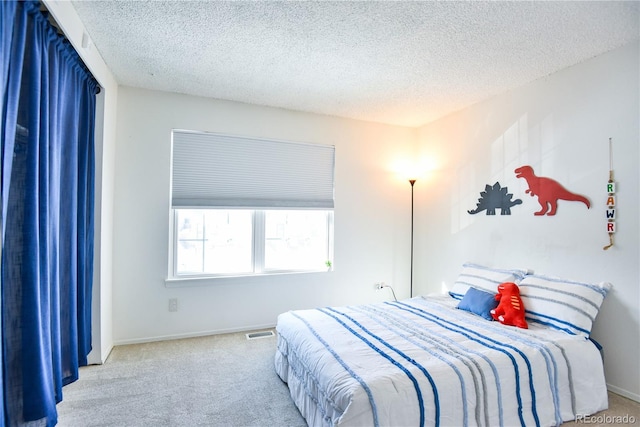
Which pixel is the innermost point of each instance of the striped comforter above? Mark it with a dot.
(422, 362)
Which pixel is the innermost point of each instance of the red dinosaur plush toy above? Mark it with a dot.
(510, 310)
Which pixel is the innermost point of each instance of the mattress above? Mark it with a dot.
(423, 362)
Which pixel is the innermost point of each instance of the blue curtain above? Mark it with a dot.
(47, 148)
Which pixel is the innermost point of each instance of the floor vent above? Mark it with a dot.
(258, 335)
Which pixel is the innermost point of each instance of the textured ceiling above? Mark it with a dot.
(404, 63)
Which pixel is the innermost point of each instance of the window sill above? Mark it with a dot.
(181, 282)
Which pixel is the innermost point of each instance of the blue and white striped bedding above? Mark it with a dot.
(565, 305)
(422, 362)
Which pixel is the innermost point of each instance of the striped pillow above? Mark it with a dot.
(562, 304)
(483, 278)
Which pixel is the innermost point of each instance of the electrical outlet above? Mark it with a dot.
(173, 304)
(379, 285)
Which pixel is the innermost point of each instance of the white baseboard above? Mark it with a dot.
(143, 340)
(624, 393)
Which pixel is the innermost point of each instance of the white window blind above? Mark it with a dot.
(215, 170)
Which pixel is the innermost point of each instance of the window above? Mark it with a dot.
(242, 206)
(239, 241)
(214, 241)
(296, 240)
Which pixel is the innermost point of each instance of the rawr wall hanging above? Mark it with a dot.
(548, 191)
(611, 200)
(495, 197)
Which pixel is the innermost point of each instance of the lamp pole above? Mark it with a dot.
(411, 181)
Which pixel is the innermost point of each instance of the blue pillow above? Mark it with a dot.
(479, 302)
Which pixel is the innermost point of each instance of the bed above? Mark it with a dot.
(426, 362)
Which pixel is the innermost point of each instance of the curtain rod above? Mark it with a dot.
(56, 26)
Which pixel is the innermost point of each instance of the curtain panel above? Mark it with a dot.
(47, 148)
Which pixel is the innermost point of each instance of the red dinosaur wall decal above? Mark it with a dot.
(548, 191)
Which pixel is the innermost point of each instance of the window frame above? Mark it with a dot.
(258, 249)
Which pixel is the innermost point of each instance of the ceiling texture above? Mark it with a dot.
(402, 63)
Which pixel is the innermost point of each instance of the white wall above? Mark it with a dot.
(560, 125)
(372, 218)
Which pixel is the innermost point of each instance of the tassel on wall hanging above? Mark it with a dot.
(611, 200)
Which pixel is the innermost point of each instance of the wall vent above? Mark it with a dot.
(260, 334)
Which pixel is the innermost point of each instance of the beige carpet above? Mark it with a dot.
(221, 380)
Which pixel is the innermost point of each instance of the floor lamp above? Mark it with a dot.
(411, 181)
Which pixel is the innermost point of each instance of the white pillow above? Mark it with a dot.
(483, 278)
(562, 304)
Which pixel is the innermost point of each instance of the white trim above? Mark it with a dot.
(143, 340)
(259, 241)
(624, 393)
(185, 282)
